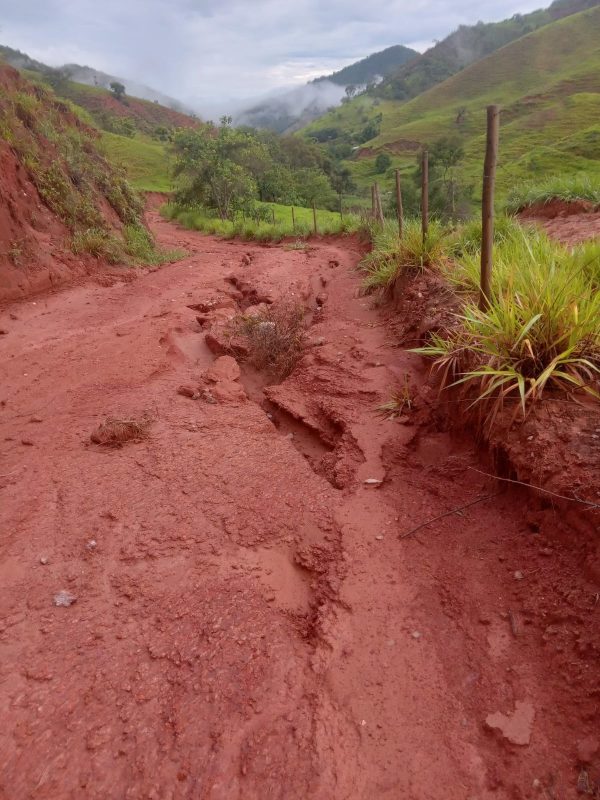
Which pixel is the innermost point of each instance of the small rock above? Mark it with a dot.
(64, 598)
(379, 537)
(27, 442)
(587, 749)
(188, 391)
(44, 560)
(373, 482)
(416, 634)
(224, 368)
(546, 551)
(35, 419)
(515, 727)
(92, 544)
(518, 576)
(289, 436)
(208, 397)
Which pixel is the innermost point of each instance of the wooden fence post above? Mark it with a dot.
(487, 205)
(273, 214)
(399, 208)
(341, 209)
(293, 219)
(315, 216)
(373, 202)
(378, 206)
(425, 194)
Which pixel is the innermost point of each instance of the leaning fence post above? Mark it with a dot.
(399, 208)
(487, 205)
(425, 193)
(315, 216)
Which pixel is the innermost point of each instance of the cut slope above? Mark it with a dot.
(58, 194)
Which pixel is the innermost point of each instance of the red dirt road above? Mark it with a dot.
(249, 623)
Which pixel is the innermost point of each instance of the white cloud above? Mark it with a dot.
(216, 51)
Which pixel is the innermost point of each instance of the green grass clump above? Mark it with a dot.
(135, 246)
(569, 188)
(99, 243)
(541, 331)
(391, 256)
(140, 247)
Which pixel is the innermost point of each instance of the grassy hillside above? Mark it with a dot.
(145, 161)
(547, 84)
(469, 44)
(129, 115)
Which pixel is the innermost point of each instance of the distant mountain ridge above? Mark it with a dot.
(90, 77)
(466, 45)
(290, 110)
(373, 67)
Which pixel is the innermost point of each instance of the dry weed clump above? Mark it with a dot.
(276, 337)
(115, 432)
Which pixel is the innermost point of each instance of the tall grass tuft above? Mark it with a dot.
(541, 332)
(391, 256)
(569, 188)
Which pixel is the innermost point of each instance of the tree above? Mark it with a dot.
(449, 194)
(118, 90)
(382, 163)
(312, 186)
(350, 91)
(206, 161)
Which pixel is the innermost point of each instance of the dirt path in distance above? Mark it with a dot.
(250, 619)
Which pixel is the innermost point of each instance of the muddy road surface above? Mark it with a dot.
(240, 603)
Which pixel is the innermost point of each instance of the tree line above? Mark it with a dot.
(229, 169)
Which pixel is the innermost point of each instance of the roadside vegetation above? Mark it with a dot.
(244, 183)
(578, 188)
(257, 224)
(541, 333)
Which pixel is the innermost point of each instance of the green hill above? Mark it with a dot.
(369, 69)
(468, 44)
(547, 84)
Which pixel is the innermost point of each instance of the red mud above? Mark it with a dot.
(567, 222)
(251, 620)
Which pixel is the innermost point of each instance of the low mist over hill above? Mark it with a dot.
(292, 109)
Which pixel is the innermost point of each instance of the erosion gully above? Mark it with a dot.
(250, 619)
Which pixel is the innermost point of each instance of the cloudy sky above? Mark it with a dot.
(212, 52)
